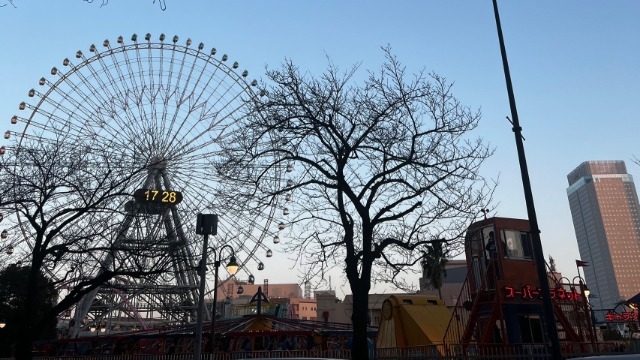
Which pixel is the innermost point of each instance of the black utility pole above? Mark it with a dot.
(206, 224)
(548, 317)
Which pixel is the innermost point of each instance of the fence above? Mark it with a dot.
(432, 352)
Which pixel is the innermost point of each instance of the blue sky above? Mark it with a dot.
(575, 67)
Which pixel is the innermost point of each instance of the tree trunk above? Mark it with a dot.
(26, 328)
(360, 346)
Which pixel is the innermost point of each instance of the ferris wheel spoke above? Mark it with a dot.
(122, 79)
(221, 96)
(151, 54)
(56, 106)
(102, 92)
(133, 79)
(118, 83)
(51, 115)
(192, 67)
(108, 86)
(211, 77)
(216, 128)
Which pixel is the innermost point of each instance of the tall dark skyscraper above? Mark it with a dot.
(605, 210)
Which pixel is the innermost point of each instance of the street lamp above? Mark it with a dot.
(586, 292)
(593, 322)
(548, 317)
(232, 268)
(98, 328)
(206, 224)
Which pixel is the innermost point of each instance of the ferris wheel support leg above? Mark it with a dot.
(82, 309)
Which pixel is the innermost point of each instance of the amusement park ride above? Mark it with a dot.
(158, 111)
(500, 301)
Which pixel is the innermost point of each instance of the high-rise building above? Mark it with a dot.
(605, 210)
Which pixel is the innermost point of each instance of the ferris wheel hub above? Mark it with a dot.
(157, 162)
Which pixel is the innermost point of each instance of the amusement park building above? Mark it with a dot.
(452, 281)
(605, 211)
(232, 302)
(323, 306)
(331, 309)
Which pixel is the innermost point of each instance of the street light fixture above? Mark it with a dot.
(593, 321)
(232, 268)
(586, 292)
(98, 328)
(206, 224)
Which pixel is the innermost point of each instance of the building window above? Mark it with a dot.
(517, 244)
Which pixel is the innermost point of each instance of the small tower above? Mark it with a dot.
(501, 300)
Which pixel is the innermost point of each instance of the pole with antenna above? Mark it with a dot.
(548, 318)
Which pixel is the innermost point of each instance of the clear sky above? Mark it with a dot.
(575, 67)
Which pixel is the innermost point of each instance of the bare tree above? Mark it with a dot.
(162, 3)
(63, 206)
(376, 170)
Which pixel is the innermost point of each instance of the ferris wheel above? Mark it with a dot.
(151, 114)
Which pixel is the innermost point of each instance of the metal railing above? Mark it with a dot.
(429, 352)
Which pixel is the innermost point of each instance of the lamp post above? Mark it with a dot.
(593, 323)
(232, 267)
(548, 317)
(586, 292)
(206, 224)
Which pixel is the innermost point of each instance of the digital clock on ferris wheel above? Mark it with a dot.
(156, 196)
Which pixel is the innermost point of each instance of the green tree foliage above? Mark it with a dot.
(13, 300)
(434, 264)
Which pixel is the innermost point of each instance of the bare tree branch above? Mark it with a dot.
(378, 170)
